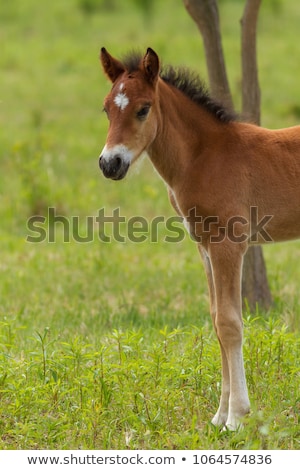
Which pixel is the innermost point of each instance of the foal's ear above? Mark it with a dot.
(151, 65)
(112, 67)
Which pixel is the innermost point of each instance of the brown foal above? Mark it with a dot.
(233, 183)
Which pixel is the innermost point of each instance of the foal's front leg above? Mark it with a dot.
(226, 261)
(221, 415)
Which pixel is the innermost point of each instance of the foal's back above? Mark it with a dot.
(271, 160)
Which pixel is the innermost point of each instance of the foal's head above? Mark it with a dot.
(131, 110)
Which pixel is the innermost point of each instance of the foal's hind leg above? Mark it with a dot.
(221, 415)
(226, 261)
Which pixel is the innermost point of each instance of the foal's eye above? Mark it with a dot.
(143, 112)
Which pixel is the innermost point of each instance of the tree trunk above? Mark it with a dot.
(250, 83)
(205, 13)
(255, 288)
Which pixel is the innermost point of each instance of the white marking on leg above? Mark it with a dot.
(186, 225)
(121, 101)
(121, 150)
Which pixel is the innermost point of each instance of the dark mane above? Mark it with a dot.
(132, 60)
(194, 88)
(188, 82)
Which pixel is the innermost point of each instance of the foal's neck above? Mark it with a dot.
(185, 132)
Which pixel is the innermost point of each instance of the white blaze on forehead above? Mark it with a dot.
(121, 87)
(121, 101)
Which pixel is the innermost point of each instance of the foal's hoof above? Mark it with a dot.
(219, 420)
(232, 427)
(222, 421)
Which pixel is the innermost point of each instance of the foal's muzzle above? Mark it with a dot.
(115, 167)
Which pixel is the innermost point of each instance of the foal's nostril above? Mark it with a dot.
(113, 166)
(118, 162)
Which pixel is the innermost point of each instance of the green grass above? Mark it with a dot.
(110, 345)
(143, 388)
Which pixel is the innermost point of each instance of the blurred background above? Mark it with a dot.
(52, 87)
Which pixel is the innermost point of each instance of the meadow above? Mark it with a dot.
(108, 344)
